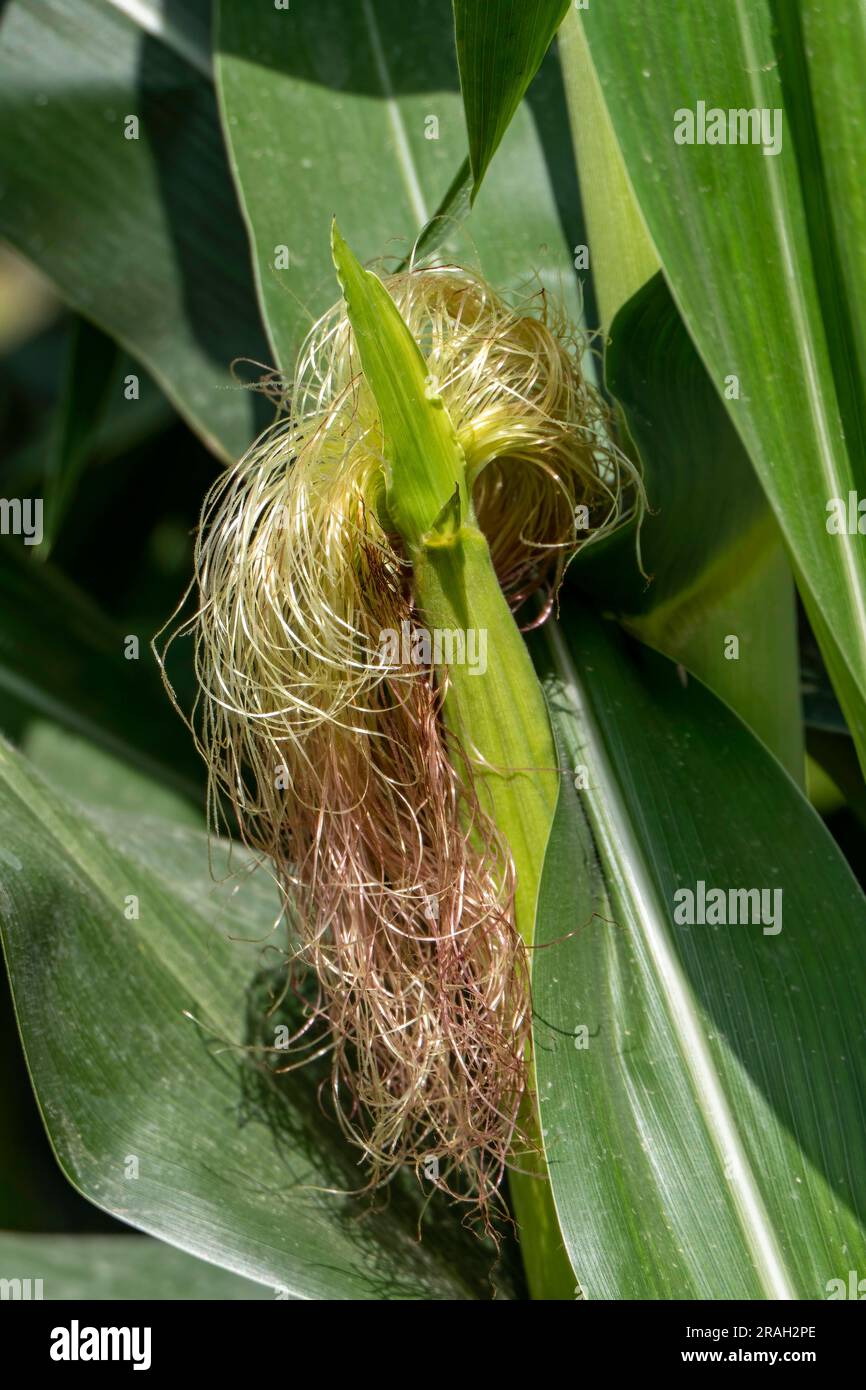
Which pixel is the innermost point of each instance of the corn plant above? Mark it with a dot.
(435, 677)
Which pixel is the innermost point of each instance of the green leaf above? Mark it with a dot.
(749, 246)
(708, 542)
(327, 110)
(87, 773)
(116, 1268)
(706, 510)
(34, 1195)
(709, 546)
(450, 215)
(144, 1040)
(622, 255)
(141, 236)
(500, 46)
(833, 42)
(705, 1135)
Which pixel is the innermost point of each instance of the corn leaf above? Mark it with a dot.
(500, 46)
(704, 579)
(621, 256)
(765, 267)
(708, 582)
(702, 1085)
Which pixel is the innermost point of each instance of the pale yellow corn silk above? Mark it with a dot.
(335, 755)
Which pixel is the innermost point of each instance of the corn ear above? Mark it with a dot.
(499, 716)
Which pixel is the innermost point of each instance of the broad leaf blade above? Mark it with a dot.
(708, 1141)
(88, 774)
